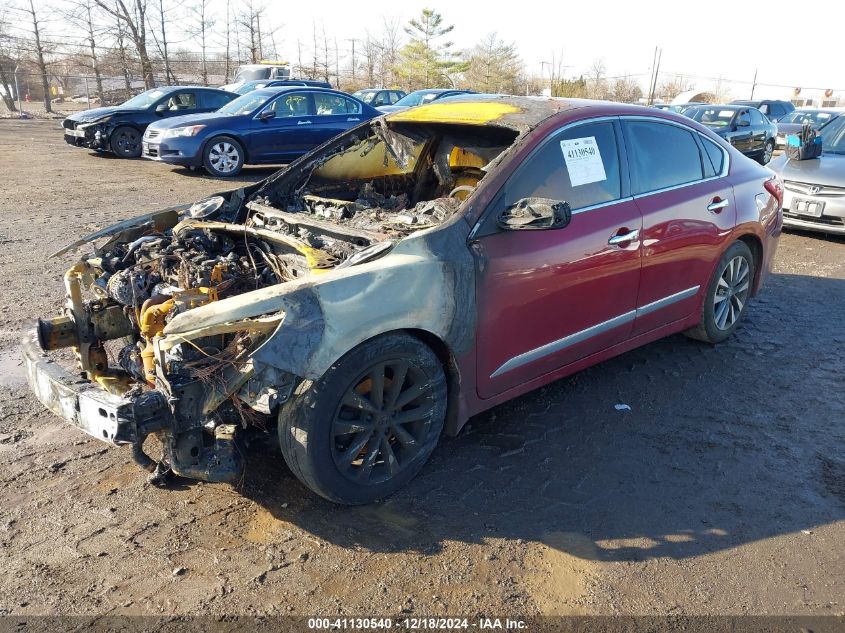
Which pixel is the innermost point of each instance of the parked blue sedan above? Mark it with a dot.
(271, 125)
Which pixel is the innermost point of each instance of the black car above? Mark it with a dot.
(119, 129)
(744, 127)
(773, 109)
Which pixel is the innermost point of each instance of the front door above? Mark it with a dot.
(289, 133)
(547, 298)
(688, 213)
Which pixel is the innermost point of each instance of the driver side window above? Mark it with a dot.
(291, 105)
(744, 116)
(579, 165)
(182, 101)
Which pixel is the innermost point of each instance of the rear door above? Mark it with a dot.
(742, 137)
(289, 133)
(211, 100)
(334, 114)
(547, 298)
(758, 130)
(679, 185)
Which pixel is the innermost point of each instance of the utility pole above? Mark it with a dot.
(651, 76)
(754, 84)
(656, 73)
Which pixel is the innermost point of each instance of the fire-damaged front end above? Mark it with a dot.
(194, 322)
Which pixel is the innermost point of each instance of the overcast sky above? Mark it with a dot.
(708, 39)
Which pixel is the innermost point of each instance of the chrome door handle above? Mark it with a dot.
(303, 122)
(715, 207)
(625, 237)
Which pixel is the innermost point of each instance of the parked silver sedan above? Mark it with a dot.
(814, 190)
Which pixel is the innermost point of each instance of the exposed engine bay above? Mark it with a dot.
(345, 206)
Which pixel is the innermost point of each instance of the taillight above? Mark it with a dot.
(774, 186)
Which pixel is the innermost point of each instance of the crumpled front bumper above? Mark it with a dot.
(129, 419)
(79, 401)
(86, 135)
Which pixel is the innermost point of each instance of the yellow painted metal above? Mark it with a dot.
(466, 112)
(151, 322)
(353, 164)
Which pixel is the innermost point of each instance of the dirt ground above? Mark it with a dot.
(722, 490)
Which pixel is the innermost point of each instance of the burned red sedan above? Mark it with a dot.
(410, 273)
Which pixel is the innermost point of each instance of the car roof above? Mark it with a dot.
(721, 106)
(273, 90)
(438, 91)
(166, 89)
(518, 113)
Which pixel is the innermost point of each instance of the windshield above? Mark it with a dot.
(833, 136)
(366, 96)
(713, 117)
(144, 100)
(249, 102)
(813, 117)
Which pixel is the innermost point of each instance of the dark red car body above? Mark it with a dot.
(526, 280)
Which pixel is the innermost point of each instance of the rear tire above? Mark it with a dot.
(727, 296)
(223, 156)
(766, 156)
(367, 426)
(125, 142)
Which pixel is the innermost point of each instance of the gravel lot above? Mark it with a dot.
(721, 492)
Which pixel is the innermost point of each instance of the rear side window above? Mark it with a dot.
(215, 99)
(661, 156)
(756, 117)
(335, 104)
(715, 155)
(579, 165)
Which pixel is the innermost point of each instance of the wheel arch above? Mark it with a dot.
(453, 375)
(755, 245)
(233, 135)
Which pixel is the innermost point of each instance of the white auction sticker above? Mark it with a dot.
(583, 160)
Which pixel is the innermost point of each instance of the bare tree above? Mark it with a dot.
(120, 38)
(6, 61)
(40, 53)
(169, 76)
(670, 88)
(391, 42)
(626, 90)
(81, 13)
(202, 24)
(596, 84)
(136, 22)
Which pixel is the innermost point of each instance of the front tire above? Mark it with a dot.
(367, 426)
(125, 142)
(223, 156)
(727, 295)
(768, 150)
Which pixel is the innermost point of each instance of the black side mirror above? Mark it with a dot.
(267, 115)
(535, 214)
